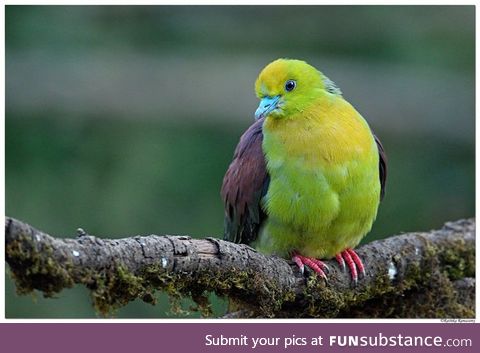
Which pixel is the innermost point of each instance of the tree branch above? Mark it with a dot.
(410, 275)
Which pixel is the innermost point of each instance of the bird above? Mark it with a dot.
(307, 177)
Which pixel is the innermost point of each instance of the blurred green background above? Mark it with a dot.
(122, 120)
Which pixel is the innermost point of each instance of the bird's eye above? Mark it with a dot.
(290, 85)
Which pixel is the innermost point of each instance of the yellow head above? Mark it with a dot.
(287, 86)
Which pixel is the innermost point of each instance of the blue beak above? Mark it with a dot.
(267, 105)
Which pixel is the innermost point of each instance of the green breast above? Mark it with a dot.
(316, 207)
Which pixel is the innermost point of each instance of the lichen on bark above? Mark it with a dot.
(411, 275)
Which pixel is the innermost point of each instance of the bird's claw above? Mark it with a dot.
(348, 257)
(341, 262)
(353, 262)
(299, 263)
(319, 267)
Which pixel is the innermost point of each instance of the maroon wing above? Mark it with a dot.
(382, 166)
(244, 184)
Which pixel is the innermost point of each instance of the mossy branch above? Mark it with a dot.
(409, 275)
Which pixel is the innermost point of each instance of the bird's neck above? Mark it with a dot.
(329, 132)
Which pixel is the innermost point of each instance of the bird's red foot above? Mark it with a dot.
(354, 263)
(316, 265)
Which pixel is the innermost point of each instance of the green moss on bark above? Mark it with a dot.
(33, 269)
(423, 286)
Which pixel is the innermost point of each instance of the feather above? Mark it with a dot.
(244, 185)
(382, 166)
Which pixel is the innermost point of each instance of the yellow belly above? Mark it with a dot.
(324, 184)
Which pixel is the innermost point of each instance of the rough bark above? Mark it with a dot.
(410, 275)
